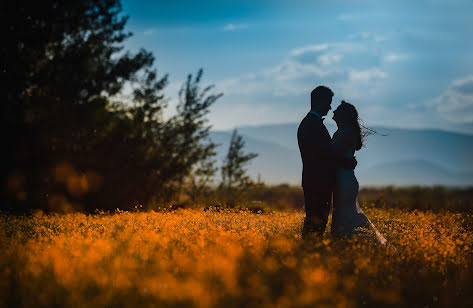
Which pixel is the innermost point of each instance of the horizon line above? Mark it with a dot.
(330, 124)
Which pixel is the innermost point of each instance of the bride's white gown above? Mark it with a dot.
(347, 216)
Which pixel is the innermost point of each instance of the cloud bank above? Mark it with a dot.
(333, 64)
(456, 103)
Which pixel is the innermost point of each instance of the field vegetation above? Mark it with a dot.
(215, 257)
(437, 199)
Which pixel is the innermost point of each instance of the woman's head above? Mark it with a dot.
(346, 115)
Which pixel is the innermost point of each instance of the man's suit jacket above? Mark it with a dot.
(318, 168)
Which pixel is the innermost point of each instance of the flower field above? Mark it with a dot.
(223, 258)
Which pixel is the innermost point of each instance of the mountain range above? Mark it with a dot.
(402, 157)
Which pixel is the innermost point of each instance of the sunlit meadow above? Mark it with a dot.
(223, 258)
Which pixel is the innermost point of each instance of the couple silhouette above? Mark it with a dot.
(328, 169)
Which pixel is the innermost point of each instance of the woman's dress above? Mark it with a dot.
(347, 217)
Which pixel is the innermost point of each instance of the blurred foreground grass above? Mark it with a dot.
(196, 258)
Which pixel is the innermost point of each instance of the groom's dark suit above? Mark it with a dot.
(318, 172)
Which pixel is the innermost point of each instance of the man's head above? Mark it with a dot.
(320, 100)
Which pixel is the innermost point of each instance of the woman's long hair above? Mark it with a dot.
(350, 116)
(353, 120)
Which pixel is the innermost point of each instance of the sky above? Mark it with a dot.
(401, 63)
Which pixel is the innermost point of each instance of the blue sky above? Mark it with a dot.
(401, 63)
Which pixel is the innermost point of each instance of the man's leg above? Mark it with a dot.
(317, 208)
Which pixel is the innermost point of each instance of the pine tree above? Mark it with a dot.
(234, 178)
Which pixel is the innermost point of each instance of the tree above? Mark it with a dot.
(70, 143)
(234, 178)
(62, 62)
(183, 146)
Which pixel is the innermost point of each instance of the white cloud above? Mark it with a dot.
(338, 47)
(371, 36)
(327, 59)
(328, 54)
(463, 85)
(288, 78)
(368, 75)
(234, 27)
(308, 49)
(149, 31)
(456, 103)
(394, 57)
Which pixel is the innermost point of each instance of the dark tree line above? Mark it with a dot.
(69, 141)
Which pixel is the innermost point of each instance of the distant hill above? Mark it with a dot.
(404, 157)
(275, 163)
(412, 172)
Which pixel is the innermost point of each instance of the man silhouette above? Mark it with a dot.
(318, 163)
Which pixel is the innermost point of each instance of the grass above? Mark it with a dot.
(196, 258)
